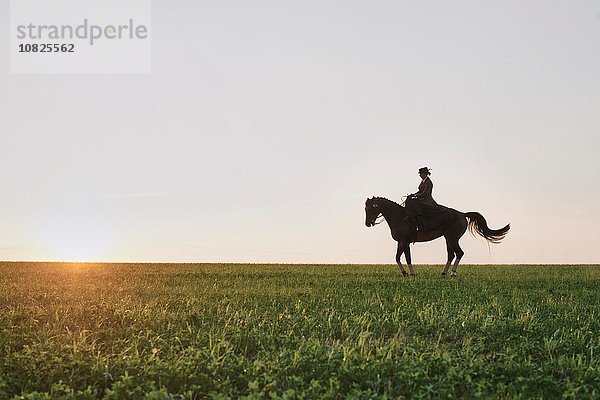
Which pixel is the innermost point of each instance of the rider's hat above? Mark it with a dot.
(425, 170)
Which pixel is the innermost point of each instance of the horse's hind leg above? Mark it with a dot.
(450, 250)
(459, 254)
(398, 261)
(406, 247)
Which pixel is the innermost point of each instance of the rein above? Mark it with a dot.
(404, 200)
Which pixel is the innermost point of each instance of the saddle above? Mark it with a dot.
(425, 217)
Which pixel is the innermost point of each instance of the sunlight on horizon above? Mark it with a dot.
(74, 240)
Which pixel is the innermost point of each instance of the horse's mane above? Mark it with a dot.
(386, 199)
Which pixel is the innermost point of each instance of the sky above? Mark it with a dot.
(264, 126)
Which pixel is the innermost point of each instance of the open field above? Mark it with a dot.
(127, 331)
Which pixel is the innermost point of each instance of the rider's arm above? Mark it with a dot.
(424, 190)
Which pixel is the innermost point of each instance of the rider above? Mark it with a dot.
(423, 197)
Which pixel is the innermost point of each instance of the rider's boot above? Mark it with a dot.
(413, 222)
(419, 224)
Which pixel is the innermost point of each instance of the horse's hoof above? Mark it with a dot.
(453, 275)
(413, 275)
(404, 273)
(443, 274)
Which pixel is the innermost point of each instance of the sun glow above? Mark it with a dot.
(77, 241)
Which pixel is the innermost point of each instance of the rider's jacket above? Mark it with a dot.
(424, 193)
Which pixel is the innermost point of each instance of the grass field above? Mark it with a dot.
(127, 331)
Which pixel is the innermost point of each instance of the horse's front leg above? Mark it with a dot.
(398, 261)
(406, 247)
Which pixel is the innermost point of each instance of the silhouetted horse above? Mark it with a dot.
(452, 230)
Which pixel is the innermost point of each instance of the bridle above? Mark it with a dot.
(375, 222)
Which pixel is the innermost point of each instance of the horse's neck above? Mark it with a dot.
(391, 211)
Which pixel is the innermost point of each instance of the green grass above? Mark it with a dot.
(126, 331)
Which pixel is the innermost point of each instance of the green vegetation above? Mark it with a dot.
(127, 331)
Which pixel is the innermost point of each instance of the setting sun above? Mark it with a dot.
(77, 240)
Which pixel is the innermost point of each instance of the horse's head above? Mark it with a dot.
(372, 211)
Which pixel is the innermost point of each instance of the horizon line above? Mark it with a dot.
(278, 263)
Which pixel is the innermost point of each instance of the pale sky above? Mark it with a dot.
(265, 125)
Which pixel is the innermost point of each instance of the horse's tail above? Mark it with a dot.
(478, 224)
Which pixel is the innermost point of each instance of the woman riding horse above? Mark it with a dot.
(421, 204)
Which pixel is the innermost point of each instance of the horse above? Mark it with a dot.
(456, 225)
